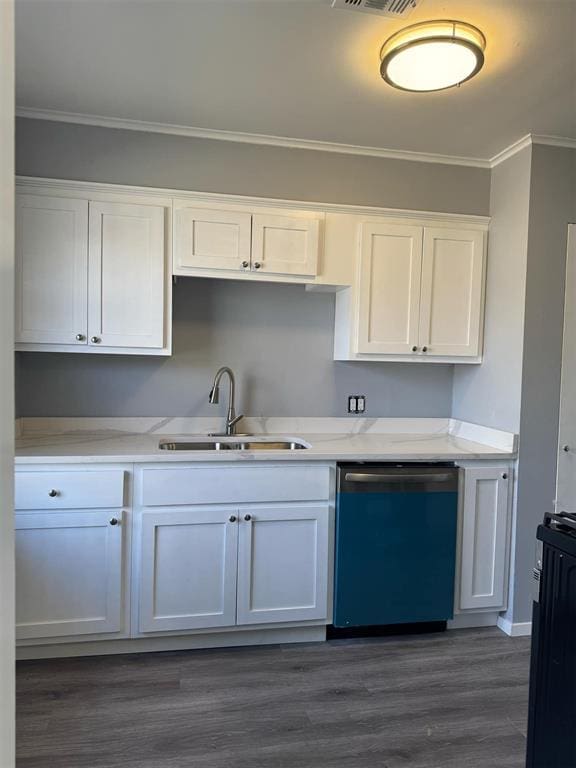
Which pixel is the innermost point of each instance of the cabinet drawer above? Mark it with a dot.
(69, 490)
(233, 485)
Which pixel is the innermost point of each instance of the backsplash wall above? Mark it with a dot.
(278, 340)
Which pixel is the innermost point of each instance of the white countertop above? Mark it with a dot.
(66, 441)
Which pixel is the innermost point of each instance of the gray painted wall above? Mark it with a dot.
(552, 208)
(490, 394)
(277, 338)
(88, 153)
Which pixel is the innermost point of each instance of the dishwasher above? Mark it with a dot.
(395, 545)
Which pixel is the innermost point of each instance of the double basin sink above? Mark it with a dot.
(234, 443)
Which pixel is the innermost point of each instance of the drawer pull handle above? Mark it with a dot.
(114, 521)
(53, 493)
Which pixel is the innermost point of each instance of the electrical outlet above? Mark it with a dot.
(356, 403)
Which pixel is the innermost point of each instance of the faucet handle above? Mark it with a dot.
(235, 420)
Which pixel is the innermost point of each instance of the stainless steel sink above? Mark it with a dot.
(274, 444)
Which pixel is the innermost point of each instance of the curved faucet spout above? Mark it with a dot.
(214, 396)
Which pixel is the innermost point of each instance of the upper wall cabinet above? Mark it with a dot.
(417, 295)
(51, 269)
(91, 276)
(222, 242)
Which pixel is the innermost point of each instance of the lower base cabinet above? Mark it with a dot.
(283, 564)
(206, 568)
(69, 579)
(187, 573)
(484, 538)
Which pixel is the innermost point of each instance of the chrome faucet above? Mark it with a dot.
(231, 418)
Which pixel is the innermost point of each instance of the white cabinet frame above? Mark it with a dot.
(400, 278)
(257, 575)
(77, 196)
(484, 537)
(114, 299)
(48, 281)
(183, 581)
(111, 588)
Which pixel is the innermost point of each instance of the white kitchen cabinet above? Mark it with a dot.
(69, 577)
(91, 276)
(187, 574)
(452, 292)
(51, 270)
(211, 239)
(245, 243)
(285, 245)
(417, 296)
(282, 564)
(389, 288)
(484, 538)
(126, 275)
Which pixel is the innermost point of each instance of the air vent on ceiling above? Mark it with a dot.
(390, 8)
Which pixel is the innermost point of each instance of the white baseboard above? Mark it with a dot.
(520, 629)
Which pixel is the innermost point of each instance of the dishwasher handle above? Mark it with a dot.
(361, 477)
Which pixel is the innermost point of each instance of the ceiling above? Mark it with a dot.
(298, 69)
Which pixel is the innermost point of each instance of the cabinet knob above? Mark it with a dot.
(247, 518)
(414, 349)
(504, 475)
(80, 337)
(566, 448)
(95, 339)
(232, 518)
(114, 521)
(245, 264)
(53, 493)
(257, 265)
(424, 349)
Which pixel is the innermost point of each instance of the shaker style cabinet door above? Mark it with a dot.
(452, 283)
(484, 538)
(282, 564)
(389, 277)
(68, 573)
(285, 245)
(187, 574)
(210, 239)
(51, 270)
(126, 275)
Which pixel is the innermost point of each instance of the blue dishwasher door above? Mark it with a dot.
(395, 545)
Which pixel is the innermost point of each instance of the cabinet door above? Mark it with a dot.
(68, 573)
(389, 288)
(126, 275)
(286, 245)
(484, 542)
(187, 576)
(452, 287)
(283, 564)
(51, 269)
(211, 239)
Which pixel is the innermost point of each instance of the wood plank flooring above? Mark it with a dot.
(451, 700)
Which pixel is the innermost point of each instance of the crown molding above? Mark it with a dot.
(262, 139)
(530, 140)
(246, 138)
(513, 149)
(554, 141)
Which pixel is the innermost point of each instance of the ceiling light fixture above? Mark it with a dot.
(432, 56)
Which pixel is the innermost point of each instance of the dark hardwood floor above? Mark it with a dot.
(451, 700)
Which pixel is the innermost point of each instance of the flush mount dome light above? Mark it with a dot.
(432, 56)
